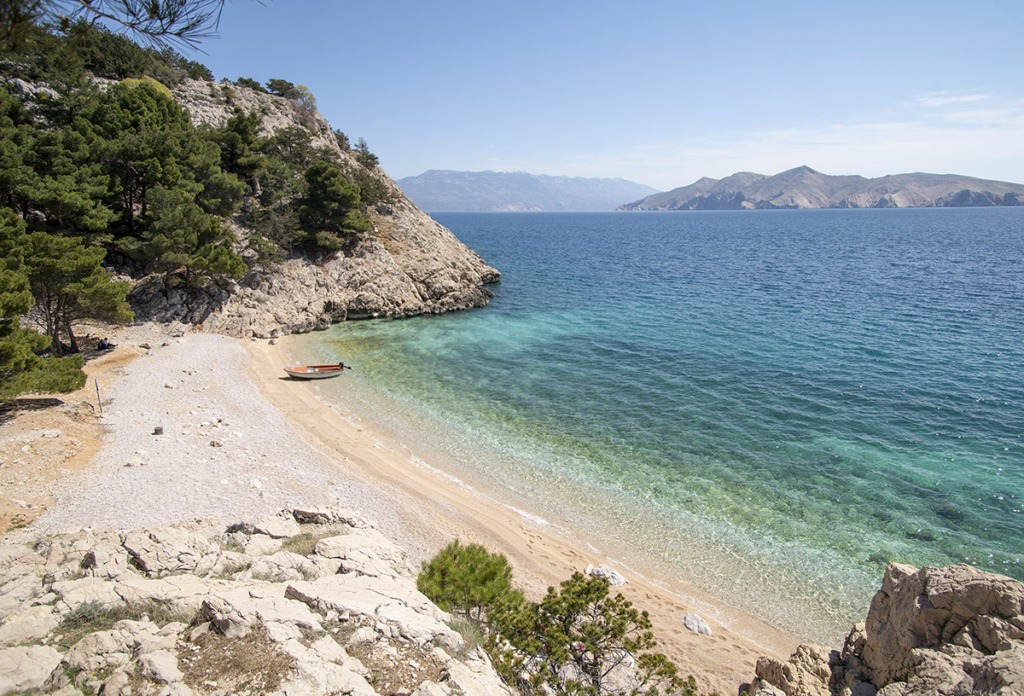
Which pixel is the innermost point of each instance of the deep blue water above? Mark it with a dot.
(777, 402)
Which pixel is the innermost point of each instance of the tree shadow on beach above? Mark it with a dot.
(9, 409)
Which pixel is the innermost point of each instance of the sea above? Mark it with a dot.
(773, 404)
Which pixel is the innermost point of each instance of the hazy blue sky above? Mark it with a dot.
(661, 92)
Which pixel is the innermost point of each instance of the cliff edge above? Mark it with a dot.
(407, 264)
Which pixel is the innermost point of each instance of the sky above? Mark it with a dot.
(659, 92)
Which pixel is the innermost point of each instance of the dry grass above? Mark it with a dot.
(393, 666)
(304, 543)
(90, 617)
(248, 665)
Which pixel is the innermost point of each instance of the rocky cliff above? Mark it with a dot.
(407, 265)
(949, 631)
(310, 602)
(804, 187)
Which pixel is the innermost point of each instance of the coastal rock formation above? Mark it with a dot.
(951, 631)
(804, 187)
(408, 265)
(202, 608)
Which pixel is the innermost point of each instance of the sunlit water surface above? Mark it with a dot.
(773, 403)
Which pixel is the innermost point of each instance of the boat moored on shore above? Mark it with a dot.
(316, 371)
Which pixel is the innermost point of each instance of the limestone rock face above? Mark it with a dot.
(175, 610)
(953, 630)
(407, 265)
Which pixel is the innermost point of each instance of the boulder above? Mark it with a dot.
(806, 672)
(951, 630)
(693, 622)
(168, 551)
(285, 566)
(26, 668)
(277, 527)
(340, 516)
(160, 667)
(611, 575)
(235, 610)
(261, 545)
(933, 608)
(368, 553)
(28, 625)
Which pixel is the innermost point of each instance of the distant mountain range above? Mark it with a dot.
(804, 187)
(450, 191)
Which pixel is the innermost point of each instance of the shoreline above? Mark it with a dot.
(240, 441)
(440, 506)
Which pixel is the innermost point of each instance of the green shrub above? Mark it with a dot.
(468, 580)
(580, 640)
(250, 83)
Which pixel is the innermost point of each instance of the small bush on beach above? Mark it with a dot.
(467, 580)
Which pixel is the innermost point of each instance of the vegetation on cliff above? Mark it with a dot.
(104, 178)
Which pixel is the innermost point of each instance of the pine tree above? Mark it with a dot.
(581, 640)
(330, 208)
(69, 283)
(181, 237)
(21, 368)
(467, 579)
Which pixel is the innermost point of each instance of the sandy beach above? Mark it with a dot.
(198, 425)
(434, 508)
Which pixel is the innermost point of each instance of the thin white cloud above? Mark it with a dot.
(943, 99)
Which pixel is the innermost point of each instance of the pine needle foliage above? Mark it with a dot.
(579, 640)
(468, 580)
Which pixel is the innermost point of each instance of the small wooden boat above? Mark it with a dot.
(316, 371)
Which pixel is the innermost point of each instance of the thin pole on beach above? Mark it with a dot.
(98, 399)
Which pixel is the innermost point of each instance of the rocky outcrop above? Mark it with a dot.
(199, 608)
(804, 187)
(407, 265)
(947, 631)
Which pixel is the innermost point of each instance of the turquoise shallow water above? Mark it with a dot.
(776, 403)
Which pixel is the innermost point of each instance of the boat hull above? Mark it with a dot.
(314, 371)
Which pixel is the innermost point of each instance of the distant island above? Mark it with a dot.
(804, 187)
(454, 191)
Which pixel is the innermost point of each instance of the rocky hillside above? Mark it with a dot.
(443, 190)
(310, 602)
(407, 265)
(804, 187)
(954, 630)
